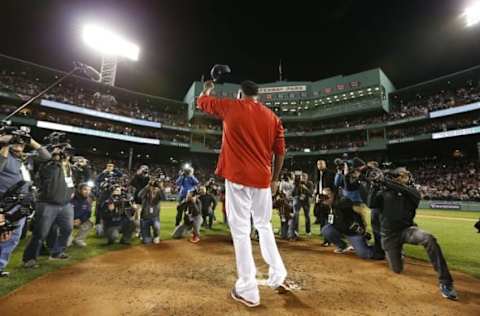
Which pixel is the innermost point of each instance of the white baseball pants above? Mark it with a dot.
(243, 202)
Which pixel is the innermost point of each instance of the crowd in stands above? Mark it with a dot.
(73, 92)
(439, 125)
(336, 141)
(452, 180)
(109, 126)
(419, 106)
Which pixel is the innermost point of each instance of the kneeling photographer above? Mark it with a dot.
(150, 197)
(104, 184)
(53, 207)
(118, 216)
(344, 221)
(209, 203)
(13, 170)
(82, 208)
(397, 201)
(192, 217)
(285, 211)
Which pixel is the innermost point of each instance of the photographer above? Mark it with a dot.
(214, 190)
(324, 178)
(285, 211)
(379, 254)
(302, 192)
(81, 171)
(53, 207)
(139, 181)
(190, 208)
(82, 209)
(349, 179)
(397, 202)
(343, 221)
(186, 182)
(209, 204)
(150, 197)
(477, 226)
(12, 171)
(118, 217)
(103, 192)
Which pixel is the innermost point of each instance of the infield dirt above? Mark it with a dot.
(179, 278)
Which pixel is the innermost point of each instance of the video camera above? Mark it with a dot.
(378, 175)
(58, 143)
(20, 134)
(111, 182)
(15, 205)
(123, 203)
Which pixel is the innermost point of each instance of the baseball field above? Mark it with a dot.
(180, 278)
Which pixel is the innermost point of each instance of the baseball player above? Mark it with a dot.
(252, 136)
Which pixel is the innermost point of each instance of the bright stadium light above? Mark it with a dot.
(109, 43)
(472, 14)
(112, 46)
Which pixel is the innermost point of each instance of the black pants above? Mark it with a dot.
(321, 212)
(377, 237)
(178, 218)
(393, 244)
(208, 218)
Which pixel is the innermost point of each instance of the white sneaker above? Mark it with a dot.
(156, 240)
(344, 250)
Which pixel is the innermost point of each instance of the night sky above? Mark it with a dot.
(411, 40)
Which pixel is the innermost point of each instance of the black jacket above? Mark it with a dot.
(328, 179)
(139, 182)
(53, 185)
(397, 205)
(208, 202)
(345, 217)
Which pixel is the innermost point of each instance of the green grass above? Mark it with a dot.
(459, 241)
(457, 238)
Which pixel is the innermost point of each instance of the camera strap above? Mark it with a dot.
(25, 173)
(331, 217)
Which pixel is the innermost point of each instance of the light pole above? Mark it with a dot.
(111, 46)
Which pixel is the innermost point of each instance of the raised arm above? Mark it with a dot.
(212, 105)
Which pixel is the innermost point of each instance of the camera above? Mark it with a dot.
(55, 138)
(16, 205)
(58, 143)
(111, 182)
(20, 134)
(157, 183)
(123, 203)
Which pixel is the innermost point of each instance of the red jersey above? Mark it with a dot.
(251, 134)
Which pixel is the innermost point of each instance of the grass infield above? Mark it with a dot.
(453, 230)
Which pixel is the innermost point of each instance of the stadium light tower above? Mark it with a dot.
(111, 46)
(472, 14)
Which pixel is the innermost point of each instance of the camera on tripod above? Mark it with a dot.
(20, 134)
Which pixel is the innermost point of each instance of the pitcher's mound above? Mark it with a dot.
(179, 278)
